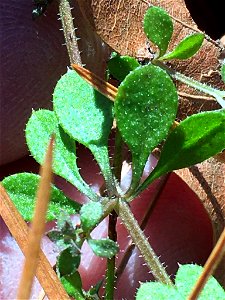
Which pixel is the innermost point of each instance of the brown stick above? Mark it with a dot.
(37, 228)
(211, 264)
(99, 84)
(18, 228)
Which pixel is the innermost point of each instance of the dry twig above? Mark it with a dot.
(210, 265)
(19, 230)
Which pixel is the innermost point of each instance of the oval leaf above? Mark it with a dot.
(186, 277)
(156, 290)
(158, 27)
(39, 128)
(186, 48)
(67, 262)
(22, 190)
(86, 115)
(73, 285)
(90, 215)
(104, 247)
(145, 108)
(120, 66)
(195, 139)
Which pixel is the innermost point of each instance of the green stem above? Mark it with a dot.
(217, 94)
(142, 243)
(137, 171)
(102, 157)
(110, 273)
(152, 176)
(69, 32)
(118, 157)
(143, 223)
(110, 279)
(108, 206)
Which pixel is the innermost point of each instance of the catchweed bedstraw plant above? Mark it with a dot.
(145, 108)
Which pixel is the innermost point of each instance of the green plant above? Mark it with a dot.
(184, 281)
(145, 109)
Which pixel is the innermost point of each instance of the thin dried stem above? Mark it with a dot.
(99, 84)
(38, 226)
(210, 265)
(195, 97)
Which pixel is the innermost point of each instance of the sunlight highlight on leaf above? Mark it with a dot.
(120, 66)
(64, 158)
(145, 108)
(194, 140)
(22, 189)
(188, 47)
(87, 116)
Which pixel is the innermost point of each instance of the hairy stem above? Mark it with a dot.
(69, 32)
(155, 197)
(142, 243)
(202, 87)
(110, 273)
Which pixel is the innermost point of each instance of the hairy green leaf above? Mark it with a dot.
(57, 237)
(158, 27)
(90, 215)
(157, 290)
(64, 223)
(186, 277)
(195, 139)
(64, 234)
(120, 66)
(104, 247)
(94, 290)
(86, 115)
(186, 48)
(41, 125)
(73, 285)
(22, 189)
(145, 108)
(67, 262)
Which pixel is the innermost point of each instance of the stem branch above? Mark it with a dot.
(69, 32)
(142, 243)
(217, 94)
(111, 262)
(118, 157)
(155, 197)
